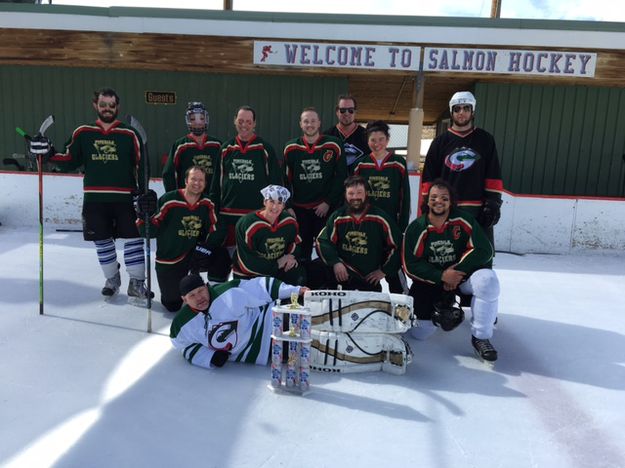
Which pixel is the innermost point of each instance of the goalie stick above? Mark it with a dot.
(134, 123)
(48, 121)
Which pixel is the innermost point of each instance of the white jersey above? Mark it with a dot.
(238, 320)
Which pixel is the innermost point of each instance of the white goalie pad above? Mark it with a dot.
(347, 353)
(359, 311)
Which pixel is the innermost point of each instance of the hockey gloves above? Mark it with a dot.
(200, 258)
(491, 211)
(39, 146)
(219, 358)
(145, 204)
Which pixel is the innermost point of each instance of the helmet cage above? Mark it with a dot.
(196, 108)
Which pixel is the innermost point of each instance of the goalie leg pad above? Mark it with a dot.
(360, 311)
(359, 352)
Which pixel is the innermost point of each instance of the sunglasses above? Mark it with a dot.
(351, 110)
(457, 109)
(104, 105)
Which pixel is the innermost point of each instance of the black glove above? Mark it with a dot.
(145, 204)
(200, 258)
(39, 146)
(491, 211)
(219, 358)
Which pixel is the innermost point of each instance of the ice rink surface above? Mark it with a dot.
(86, 386)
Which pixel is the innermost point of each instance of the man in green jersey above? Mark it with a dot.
(360, 242)
(445, 252)
(187, 231)
(110, 154)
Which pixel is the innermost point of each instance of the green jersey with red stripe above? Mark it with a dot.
(261, 243)
(111, 160)
(244, 169)
(178, 225)
(315, 172)
(186, 153)
(364, 244)
(427, 251)
(389, 185)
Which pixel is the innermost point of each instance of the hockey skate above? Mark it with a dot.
(138, 293)
(111, 287)
(484, 350)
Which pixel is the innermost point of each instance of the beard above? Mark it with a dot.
(462, 122)
(357, 206)
(107, 116)
(437, 211)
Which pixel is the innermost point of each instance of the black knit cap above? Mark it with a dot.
(189, 283)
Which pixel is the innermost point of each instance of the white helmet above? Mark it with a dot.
(462, 97)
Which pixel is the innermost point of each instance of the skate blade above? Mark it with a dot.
(490, 364)
(138, 302)
(110, 298)
(284, 390)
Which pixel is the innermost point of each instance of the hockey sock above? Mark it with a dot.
(107, 256)
(134, 258)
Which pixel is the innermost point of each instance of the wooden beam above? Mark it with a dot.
(495, 9)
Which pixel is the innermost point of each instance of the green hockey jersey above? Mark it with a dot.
(428, 251)
(389, 185)
(186, 153)
(363, 244)
(111, 160)
(244, 169)
(260, 244)
(178, 226)
(315, 173)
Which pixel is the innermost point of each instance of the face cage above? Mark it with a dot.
(196, 130)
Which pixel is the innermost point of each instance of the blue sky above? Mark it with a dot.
(599, 10)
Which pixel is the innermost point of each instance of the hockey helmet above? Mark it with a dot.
(461, 98)
(196, 108)
(447, 316)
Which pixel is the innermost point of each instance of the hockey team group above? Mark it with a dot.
(326, 220)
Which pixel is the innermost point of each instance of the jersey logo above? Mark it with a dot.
(455, 232)
(461, 159)
(223, 336)
(352, 153)
(106, 150)
(356, 242)
(204, 161)
(327, 156)
(191, 226)
(243, 169)
(442, 252)
(274, 248)
(380, 187)
(312, 170)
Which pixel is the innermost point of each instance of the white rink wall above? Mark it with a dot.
(555, 225)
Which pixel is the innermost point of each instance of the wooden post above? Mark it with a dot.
(495, 9)
(415, 125)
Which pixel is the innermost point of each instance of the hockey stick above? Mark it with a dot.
(134, 123)
(42, 130)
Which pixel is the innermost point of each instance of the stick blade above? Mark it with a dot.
(46, 124)
(134, 123)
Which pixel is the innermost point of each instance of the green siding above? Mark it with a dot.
(556, 140)
(31, 93)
